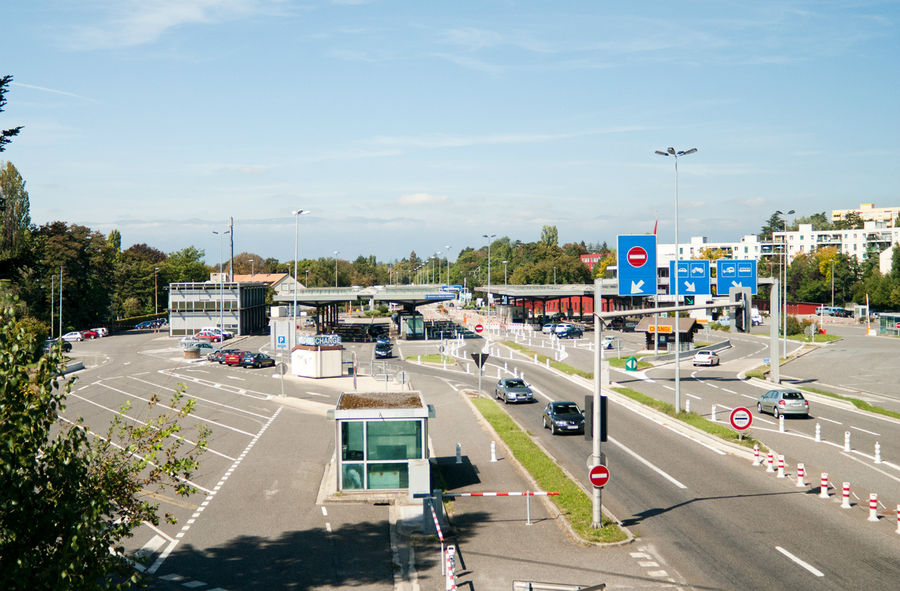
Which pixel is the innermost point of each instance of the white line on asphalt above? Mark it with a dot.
(317, 394)
(668, 387)
(695, 397)
(750, 397)
(866, 431)
(729, 391)
(207, 400)
(235, 378)
(805, 565)
(647, 463)
(830, 421)
(869, 465)
(324, 511)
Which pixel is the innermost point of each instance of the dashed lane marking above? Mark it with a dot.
(805, 565)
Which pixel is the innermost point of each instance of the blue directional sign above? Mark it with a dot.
(637, 265)
(735, 274)
(693, 277)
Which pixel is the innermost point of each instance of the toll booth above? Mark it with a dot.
(383, 442)
(317, 356)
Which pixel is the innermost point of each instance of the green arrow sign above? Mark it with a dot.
(631, 363)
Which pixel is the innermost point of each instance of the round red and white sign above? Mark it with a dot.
(478, 328)
(741, 418)
(599, 475)
(637, 256)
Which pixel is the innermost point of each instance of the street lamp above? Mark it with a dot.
(221, 282)
(156, 292)
(832, 284)
(489, 237)
(784, 255)
(676, 154)
(447, 248)
(337, 252)
(505, 282)
(297, 215)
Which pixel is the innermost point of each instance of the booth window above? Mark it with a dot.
(352, 441)
(394, 440)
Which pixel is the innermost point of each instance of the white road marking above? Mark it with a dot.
(324, 511)
(830, 421)
(668, 387)
(750, 397)
(647, 463)
(154, 544)
(729, 391)
(866, 431)
(317, 394)
(805, 565)
(695, 397)
(870, 466)
(236, 378)
(207, 400)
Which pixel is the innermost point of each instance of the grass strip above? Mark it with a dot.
(432, 358)
(572, 500)
(860, 404)
(691, 418)
(568, 369)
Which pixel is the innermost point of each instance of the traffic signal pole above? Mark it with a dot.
(597, 499)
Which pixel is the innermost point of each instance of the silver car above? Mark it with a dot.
(783, 402)
(513, 390)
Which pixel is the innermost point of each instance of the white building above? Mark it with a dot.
(855, 243)
(869, 213)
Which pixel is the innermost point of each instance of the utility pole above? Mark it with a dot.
(231, 260)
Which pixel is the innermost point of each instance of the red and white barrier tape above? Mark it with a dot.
(437, 525)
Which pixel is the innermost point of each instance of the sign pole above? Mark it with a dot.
(597, 493)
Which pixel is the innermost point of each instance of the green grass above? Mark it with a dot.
(817, 338)
(568, 369)
(860, 404)
(572, 501)
(432, 358)
(619, 362)
(718, 429)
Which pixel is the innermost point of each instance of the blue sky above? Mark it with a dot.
(413, 125)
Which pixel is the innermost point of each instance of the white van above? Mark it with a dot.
(755, 317)
(216, 330)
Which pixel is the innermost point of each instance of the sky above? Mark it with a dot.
(411, 126)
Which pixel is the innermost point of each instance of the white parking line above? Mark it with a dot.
(866, 431)
(830, 421)
(206, 400)
(647, 463)
(805, 565)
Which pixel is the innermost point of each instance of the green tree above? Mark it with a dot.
(775, 223)
(69, 496)
(185, 266)
(895, 263)
(15, 215)
(853, 221)
(6, 134)
(818, 221)
(549, 236)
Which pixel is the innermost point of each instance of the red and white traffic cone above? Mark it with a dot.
(873, 507)
(770, 467)
(801, 476)
(823, 492)
(780, 467)
(845, 503)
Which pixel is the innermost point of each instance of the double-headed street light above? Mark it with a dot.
(297, 215)
(337, 252)
(505, 282)
(489, 237)
(156, 292)
(676, 154)
(783, 277)
(221, 279)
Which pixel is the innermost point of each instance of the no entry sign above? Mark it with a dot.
(741, 418)
(478, 328)
(637, 256)
(599, 475)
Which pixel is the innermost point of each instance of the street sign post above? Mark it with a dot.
(599, 476)
(693, 277)
(730, 273)
(637, 265)
(480, 359)
(479, 328)
(631, 363)
(741, 419)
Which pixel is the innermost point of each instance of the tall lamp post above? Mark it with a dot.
(832, 283)
(297, 215)
(156, 292)
(221, 283)
(337, 252)
(676, 154)
(784, 266)
(447, 248)
(489, 237)
(505, 281)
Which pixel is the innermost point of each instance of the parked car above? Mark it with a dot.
(73, 336)
(706, 358)
(549, 328)
(383, 350)
(225, 334)
(219, 355)
(783, 402)
(572, 332)
(206, 348)
(607, 342)
(102, 331)
(513, 390)
(251, 359)
(563, 417)
(49, 343)
(90, 334)
(234, 358)
(206, 335)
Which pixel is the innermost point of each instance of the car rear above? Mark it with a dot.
(792, 403)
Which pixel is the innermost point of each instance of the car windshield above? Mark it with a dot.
(793, 396)
(515, 384)
(566, 409)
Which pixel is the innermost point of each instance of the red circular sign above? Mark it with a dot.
(478, 328)
(637, 256)
(741, 418)
(599, 475)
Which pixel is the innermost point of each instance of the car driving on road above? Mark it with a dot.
(783, 402)
(563, 417)
(383, 350)
(709, 358)
(513, 390)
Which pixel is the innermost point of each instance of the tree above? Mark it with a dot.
(6, 134)
(70, 496)
(774, 224)
(185, 266)
(714, 254)
(549, 236)
(14, 212)
(853, 221)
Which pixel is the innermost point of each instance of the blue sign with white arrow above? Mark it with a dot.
(693, 277)
(637, 265)
(731, 273)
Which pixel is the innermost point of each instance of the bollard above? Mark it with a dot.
(467, 369)
(780, 467)
(845, 502)
(713, 417)
(818, 432)
(493, 451)
(873, 507)
(505, 367)
(515, 372)
(523, 375)
(419, 359)
(459, 453)
(756, 461)
(548, 363)
(535, 358)
(801, 476)
(781, 424)
(771, 463)
(847, 441)
(450, 583)
(823, 492)
(898, 519)
(877, 453)
(687, 405)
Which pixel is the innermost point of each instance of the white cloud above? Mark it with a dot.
(420, 199)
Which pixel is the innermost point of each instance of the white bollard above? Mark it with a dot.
(845, 502)
(801, 476)
(713, 417)
(873, 507)
(493, 451)
(756, 461)
(781, 424)
(459, 453)
(468, 371)
(515, 372)
(523, 375)
(535, 358)
(847, 441)
(780, 467)
(877, 453)
(770, 465)
(548, 363)
(687, 405)
(823, 491)
(818, 432)
(419, 359)
(898, 519)
(505, 367)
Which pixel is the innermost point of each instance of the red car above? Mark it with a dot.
(89, 334)
(205, 335)
(235, 358)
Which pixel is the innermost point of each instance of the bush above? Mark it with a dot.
(35, 333)
(797, 326)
